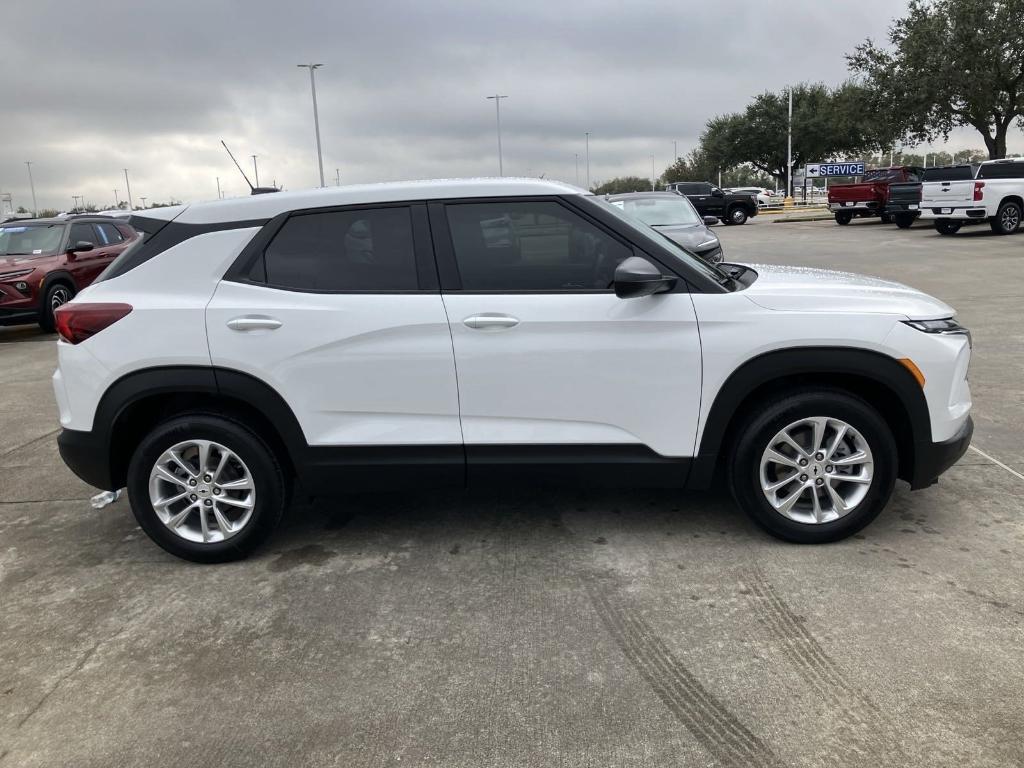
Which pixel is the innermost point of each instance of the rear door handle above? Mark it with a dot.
(490, 322)
(254, 323)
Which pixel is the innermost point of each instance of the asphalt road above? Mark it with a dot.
(528, 629)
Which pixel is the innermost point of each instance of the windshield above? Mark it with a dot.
(30, 239)
(956, 173)
(695, 262)
(660, 211)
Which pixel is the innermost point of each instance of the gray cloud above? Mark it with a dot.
(91, 89)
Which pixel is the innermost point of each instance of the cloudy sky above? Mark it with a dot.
(91, 88)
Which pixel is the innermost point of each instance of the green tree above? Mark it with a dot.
(697, 167)
(951, 63)
(827, 124)
(622, 184)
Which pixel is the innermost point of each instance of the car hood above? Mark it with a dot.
(804, 289)
(689, 235)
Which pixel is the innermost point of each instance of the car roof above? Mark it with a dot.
(625, 195)
(1003, 160)
(73, 219)
(260, 207)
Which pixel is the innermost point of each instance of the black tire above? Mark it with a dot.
(886, 218)
(767, 421)
(905, 220)
(843, 217)
(947, 226)
(57, 294)
(270, 485)
(736, 215)
(1007, 219)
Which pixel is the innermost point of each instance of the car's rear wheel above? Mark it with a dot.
(206, 488)
(1007, 219)
(737, 215)
(57, 295)
(886, 218)
(905, 220)
(843, 217)
(814, 466)
(947, 226)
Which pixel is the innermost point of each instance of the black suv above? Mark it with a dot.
(710, 200)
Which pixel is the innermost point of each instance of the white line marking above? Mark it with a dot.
(1013, 472)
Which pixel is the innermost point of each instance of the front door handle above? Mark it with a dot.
(490, 322)
(254, 323)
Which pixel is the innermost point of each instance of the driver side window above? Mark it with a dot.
(531, 246)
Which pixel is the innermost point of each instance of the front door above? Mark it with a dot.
(555, 372)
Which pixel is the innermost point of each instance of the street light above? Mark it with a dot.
(587, 134)
(143, 202)
(256, 170)
(131, 205)
(32, 186)
(219, 195)
(789, 148)
(497, 111)
(577, 169)
(316, 118)
(675, 151)
(653, 186)
(117, 203)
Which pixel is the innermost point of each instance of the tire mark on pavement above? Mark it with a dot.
(710, 721)
(862, 722)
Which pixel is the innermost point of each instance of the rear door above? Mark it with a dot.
(111, 243)
(341, 314)
(947, 185)
(555, 371)
(85, 265)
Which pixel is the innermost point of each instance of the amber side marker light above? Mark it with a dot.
(907, 363)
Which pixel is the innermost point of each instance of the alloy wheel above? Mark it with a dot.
(202, 491)
(816, 470)
(1010, 218)
(59, 297)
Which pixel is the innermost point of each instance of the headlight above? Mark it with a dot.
(17, 273)
(945, 326)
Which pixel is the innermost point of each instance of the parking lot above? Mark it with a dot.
(575, 628)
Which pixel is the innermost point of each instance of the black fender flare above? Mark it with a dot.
(879, 369)
(58, 275)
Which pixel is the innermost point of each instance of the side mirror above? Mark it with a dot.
(636, 277)
(716, 192)
(80, 246)
(710, 220)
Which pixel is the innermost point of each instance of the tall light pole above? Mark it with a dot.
(653, 186)
(497, 113)
(577, 169)
(255, 169)
(587, 134)
(675, 151)
(316, 117)
(78, 207)
(789, 148)
(131, 205)
(32, 186)
(337, 177)
(117, 202)
(143, 202)
(219, 197)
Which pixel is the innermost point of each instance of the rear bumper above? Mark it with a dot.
(87, 456)
(932, 459)
(929, 211)
(859, 206)
(899, 207)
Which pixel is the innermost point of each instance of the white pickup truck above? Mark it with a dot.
(995, 194)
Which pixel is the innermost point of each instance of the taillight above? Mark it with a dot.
(978, 186)
(77, 322)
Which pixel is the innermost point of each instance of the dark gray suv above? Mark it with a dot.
(674, 217)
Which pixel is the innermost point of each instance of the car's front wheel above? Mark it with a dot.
(206, 488)
(814, 466)
(57, 295)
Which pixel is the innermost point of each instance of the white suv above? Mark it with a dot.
(995, 195)
(447, 333)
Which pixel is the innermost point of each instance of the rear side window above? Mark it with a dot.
(357, 250)
(82, 233)
(1002, 171)
(108, 234)
(531, 246)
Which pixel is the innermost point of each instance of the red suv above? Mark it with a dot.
(45, 262)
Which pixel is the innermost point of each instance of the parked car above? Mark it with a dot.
(870, 195)
(994, 194)
(710, 200)
(45, 262)
(762, 195)
(246, 344)
(905, 196)
(674, 217)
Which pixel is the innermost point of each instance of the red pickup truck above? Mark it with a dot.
(869, 195)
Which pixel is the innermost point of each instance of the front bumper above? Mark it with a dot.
(87, 456)
(932, 459)
(18, 315)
